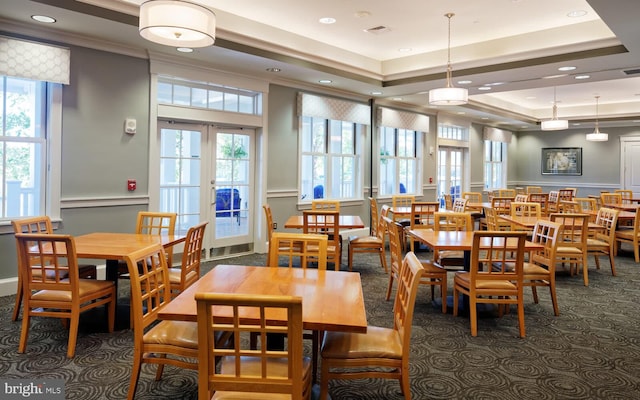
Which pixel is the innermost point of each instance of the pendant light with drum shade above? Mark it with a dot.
(554, 124)
(177, 23)
(449, 95)
(597, 136)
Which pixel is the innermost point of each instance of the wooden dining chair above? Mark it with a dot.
(451, 260)
(163, 342)
(625, 195)
(459, 205)
(325, 222)
(608, 198)
(511, 193)
(495, 275)
(333, 205)
(422, 217)
(603, 241)
(526, 209)
(588, 205)
(52, 286)
(189, 270)
(566, 195)
(374, 243)
(380, 352)
(501, 206)
(533, 189)
(552, 204)
(402, 200)
(473, 197)
(268, 215)
(448, 201)
(41, 224)
(572, 243)
(543, 200)
(521, 198)
(152, 223)
(540, 270)
(239, 372)
(631, 236)
(307, 248)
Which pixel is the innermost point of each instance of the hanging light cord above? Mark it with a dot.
(597, 127)
(555, 105)
(449, 15)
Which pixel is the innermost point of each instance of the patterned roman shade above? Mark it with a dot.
(496, 135)
(36, 61)
(332, 108)
(402, 120)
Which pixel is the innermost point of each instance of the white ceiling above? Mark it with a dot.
(513, 42)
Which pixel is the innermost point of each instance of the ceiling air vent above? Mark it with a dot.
(632, 71)
(378, 29)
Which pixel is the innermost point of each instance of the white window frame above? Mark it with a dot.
(489, 164)
(51, 153)
(401, 159)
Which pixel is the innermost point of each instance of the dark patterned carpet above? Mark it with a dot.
(591, 351)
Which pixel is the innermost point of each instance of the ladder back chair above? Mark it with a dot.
(422, 217)
(473, 197)
(307, 247)
(533, 189)
(324, 222)
(239, 372)
(333, 205)
(459, 205)
(603, 241)
(607, 199)
(373, 243)
(451, 260)
(625, 195)
(572, 242)
(540, 271)
(381, 352)
(543, 200)
(41, 224)
(52, 286)
(631, 236)
(495, 275)
(189, 270)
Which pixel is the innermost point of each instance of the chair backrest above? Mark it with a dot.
(610, 198)
(491, 219)
(586, 203)
(553, 197)
(40, 224)
(521, 198)
(569, 206)
(453, 221)
(395, 246)
(325, 222)
(473, 197)
(333, 205)
(502, 205)
(543, 199)
(506, 193)
(526, 209)
(625, 194)
(459, 204)
(191, 256)
(157, 223)
(608, 219)
(402, 200)
(533, 189)
(233, 375)
(566, 195)
(422, 214)
(408, 282)
(546, 233)
(48, 261)
(448, 201)
(268, 214)
(307, 247)
(497, 256)
(150, 287)
(575, 229)
(373, 206)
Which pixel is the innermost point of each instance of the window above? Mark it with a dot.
(24, 106)
(494, 165)
(329, 159)
(398, 161)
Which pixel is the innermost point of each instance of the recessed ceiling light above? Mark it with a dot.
(362, 14)
(485, 118)
(405, 49)
(184, 49)
(577, 13)
(376, 93)
(397, 98)
(466, 82)
(43, 18)
(567, 68)
(484, 88)
(582, 76)
(554, 76)
(327, 20)
(273, 69)
(325, 81)
(530, 98)
(461, 113)
(494, 84)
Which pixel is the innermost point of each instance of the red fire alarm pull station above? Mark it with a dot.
(131, 185)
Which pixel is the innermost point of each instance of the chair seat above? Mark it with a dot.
(596, 243)
(462, 278)
(174, 333)
(174, 275)
(452, 254)
(251, 366)
(430, 268)
(86, 288)
(626, 234)
(378, 342)
(531, 270)
(568, 250)
(365, 240)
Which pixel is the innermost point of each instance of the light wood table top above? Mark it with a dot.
(530, 222)
(331, 300)
(344, 221)
(455, 240)
(115, 246)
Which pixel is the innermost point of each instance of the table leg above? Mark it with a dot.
(112, 275)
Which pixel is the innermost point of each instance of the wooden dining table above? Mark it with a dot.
(530, 222)
(344, 222)
(331, 300)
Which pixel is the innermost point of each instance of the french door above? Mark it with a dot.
(206, 174)
(450, 172)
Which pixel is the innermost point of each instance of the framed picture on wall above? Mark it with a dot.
(562, 161)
